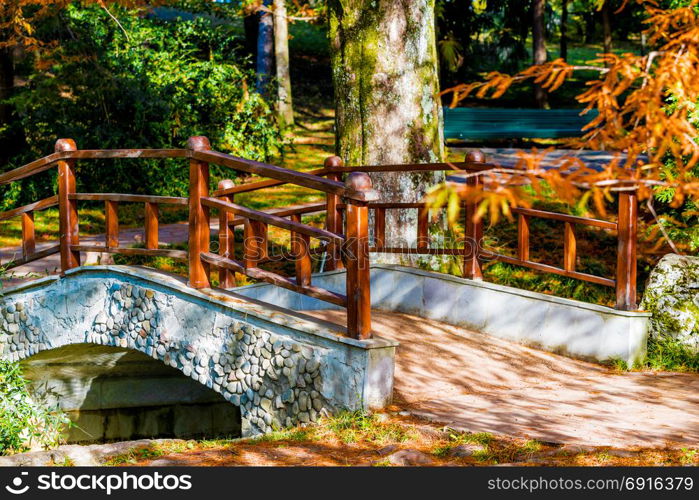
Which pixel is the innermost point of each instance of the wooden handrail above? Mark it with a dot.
(129, 198)
(30, 169)
(307, 208)
(292, 176)
(572, 219)
(273, 220)
(37, 205)
(275, 279)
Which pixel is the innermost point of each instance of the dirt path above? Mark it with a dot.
(478, 383)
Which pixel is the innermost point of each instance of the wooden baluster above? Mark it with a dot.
(473, 230)
(523, 237)
(357, 260)
(333, 217)
(300, 246)
(379, 228)
(226, 236)
(67, 208)
(199, 223)
(28, 238)
(111, 212)
(152, 236)
(569, 248)
(423, 237)
(626, 252)
(255, 244)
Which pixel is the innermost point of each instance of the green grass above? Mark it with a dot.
(351, 427)
(670, 355)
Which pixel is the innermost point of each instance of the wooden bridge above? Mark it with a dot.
(345, 238)
(316, 360)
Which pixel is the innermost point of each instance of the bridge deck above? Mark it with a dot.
(483, 384)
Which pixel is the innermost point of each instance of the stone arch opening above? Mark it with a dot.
(115, 393)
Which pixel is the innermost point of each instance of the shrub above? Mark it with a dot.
(24, 421)
(152, 84)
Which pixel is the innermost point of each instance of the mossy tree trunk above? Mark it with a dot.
(384, 61)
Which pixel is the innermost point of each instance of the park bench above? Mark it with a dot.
(502, 123)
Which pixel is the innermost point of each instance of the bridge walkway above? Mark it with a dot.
(480, 383)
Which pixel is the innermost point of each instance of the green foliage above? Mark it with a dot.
(146, 82)
(667, 354)
(354, 426)
(24, 421)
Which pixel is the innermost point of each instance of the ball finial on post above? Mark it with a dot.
(475, 157)
(359, 181)
(225, 184)
(333, 162)
(198, 143)
(65, 145)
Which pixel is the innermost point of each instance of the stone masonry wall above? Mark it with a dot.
(276, 377)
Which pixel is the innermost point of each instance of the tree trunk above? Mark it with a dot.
(590, 26)
(281, 56)
(251, 26)
(384, 62)
(265, 51)
(607, 27)
(539, 48)
(564, 30)
(7, 85)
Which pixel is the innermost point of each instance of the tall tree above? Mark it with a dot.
(607, 26)
(564, 30)
(384, 62)
(7, 85)
(539, 47)
(265, 49)
(281, 54)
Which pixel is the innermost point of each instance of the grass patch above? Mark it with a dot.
(291, 434)
(352, 427)
(135, 455)
(667, 354)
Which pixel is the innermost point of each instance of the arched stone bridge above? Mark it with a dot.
(278, 368)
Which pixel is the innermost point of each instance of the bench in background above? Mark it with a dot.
(502, 123)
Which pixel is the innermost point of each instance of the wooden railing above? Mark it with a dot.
(355, 192)
(344, 240)
(474, 253)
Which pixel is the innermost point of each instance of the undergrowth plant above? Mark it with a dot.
(25, 422)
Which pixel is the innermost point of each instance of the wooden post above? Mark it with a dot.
(255, 243)
(199, 224)
(112, 222)
(423, 236)
(569, 248)
(379, 228)
(334, 217)
(357, 259)
(473, 230)
(300, 246)
(151, 226)
(523, 237)
(28, 238)
(67, 208)
(626, 253)
(226, 237)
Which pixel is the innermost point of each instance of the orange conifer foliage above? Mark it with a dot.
(647, 109)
